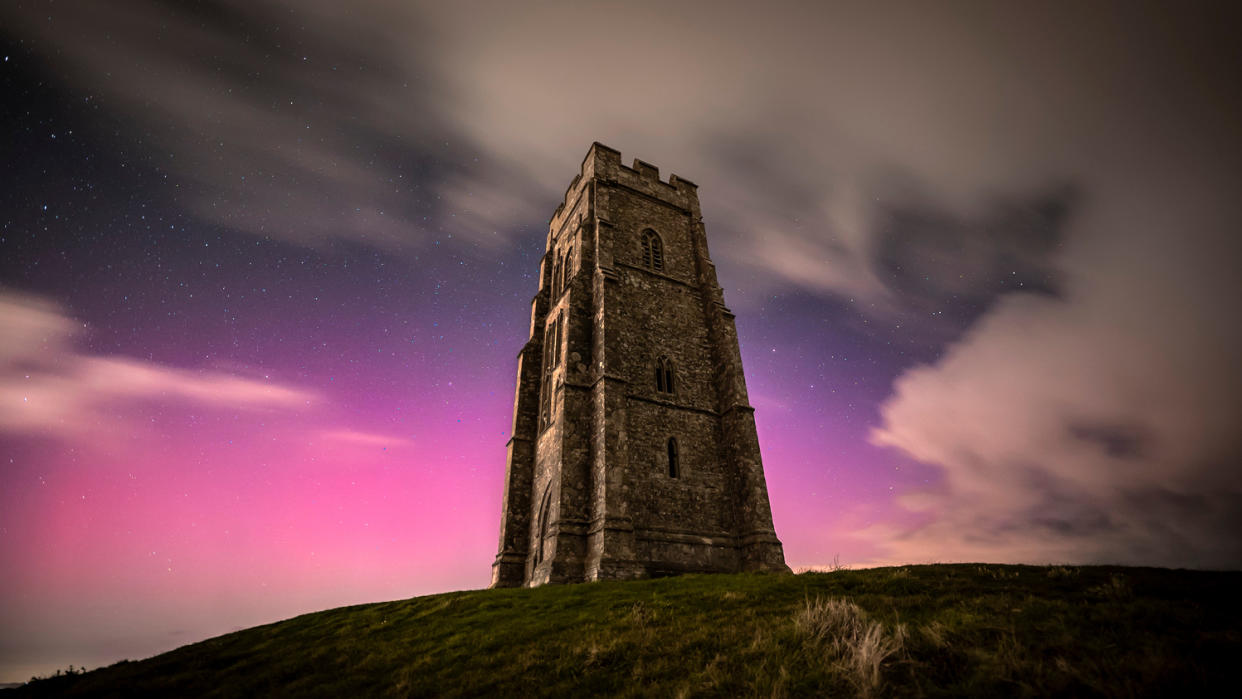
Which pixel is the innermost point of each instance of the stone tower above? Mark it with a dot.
(634, 450)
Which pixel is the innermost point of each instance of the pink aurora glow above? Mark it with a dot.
(147, 506)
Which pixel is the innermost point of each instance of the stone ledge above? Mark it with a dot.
(718, 540)
(667, 404)
(652, 273)
(645, 195)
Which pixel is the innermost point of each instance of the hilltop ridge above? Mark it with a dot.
(959, 630)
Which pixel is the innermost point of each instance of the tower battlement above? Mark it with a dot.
(603, 161)
(633, 451)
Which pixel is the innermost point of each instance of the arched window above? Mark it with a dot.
(674, 467)
(653, 251)
(664, 375)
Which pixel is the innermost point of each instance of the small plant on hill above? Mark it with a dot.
(1117, 588)
(850, 641)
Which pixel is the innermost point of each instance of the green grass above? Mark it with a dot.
(936, 630)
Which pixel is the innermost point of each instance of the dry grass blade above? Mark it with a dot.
(854, 644)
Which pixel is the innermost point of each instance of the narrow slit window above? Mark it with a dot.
(556, 349)
(542, 531)
(674, 467)
(548, 336)
(545, 392)
(545, 402)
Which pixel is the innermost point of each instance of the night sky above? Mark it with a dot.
(265, 269)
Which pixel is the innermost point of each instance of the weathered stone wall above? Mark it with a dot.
(700, 499)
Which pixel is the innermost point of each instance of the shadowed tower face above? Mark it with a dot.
(634, 450)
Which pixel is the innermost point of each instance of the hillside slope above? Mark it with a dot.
(939, 630)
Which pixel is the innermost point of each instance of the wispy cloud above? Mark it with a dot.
(306, 121)
(365, 439)
(51, 386)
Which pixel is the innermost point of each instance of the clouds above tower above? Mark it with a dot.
(874, 142)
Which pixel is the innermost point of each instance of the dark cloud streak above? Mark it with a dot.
(302, 121)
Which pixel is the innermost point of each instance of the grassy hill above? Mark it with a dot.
(936, 630)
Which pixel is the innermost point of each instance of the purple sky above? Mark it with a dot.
(266, 268)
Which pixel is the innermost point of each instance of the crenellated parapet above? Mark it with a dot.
(604, 165)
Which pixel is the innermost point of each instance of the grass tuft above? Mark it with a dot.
(848, 640)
